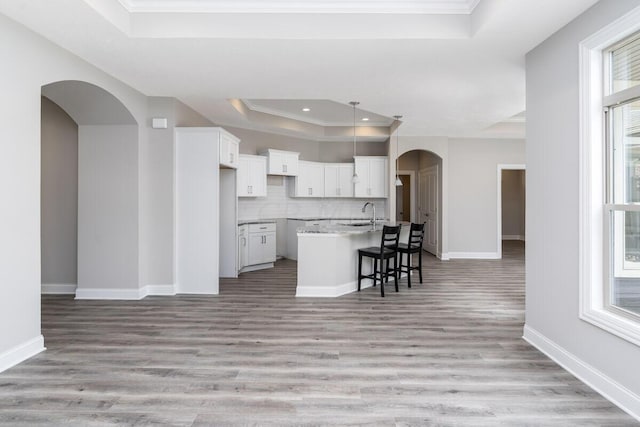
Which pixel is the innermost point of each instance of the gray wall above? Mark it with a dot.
(552, 258)
(473, 183)
(59, 195)
(252, 142)
(108, 207)
(513, 202)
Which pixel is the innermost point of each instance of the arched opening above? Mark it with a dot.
(89, 191)
(419, 199)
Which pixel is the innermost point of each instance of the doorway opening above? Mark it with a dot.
(421, 195)
(511, 204)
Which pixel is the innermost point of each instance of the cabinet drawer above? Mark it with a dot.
(262, 228)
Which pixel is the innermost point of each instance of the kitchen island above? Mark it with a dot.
(328, 257)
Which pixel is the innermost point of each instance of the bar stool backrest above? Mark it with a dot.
(390, 236)
(416, 235)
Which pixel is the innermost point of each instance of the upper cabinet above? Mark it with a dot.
(281, 162)
(229, 149)
(338, 180)
(252, 176)
(310, 180)
(373, 174)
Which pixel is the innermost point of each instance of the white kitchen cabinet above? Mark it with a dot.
(310, 180)
(262, 244)
(373, 174)
(282, 162)
(229, 149)
(252, 176)
(338, 179)
(243, 246)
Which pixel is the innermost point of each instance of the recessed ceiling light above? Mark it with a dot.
(365, 119)
(306, 109)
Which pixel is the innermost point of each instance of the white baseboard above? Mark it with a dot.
(158, 290)
(58, 288)
(256, 267)
(513, 237)
(443, 256)
(121, 294)
(21, 352)
(473, 255)
(611, 390)
(331, 291)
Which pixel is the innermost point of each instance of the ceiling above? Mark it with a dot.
(449, 67)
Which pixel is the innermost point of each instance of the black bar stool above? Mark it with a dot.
(413, 246)
(386, 251)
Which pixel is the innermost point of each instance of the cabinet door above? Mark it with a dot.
(256, 244)
(331, 181)
(229, 149)
(269, 248)
(362, 187)
(316, 179)
(378, 178)
(243, 177)
(290, 164)
(345, 180)
(243, 248)
(257, 177)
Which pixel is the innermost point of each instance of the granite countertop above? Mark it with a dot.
(361, 228)
(256, 221)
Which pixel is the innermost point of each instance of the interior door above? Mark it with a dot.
(428, 206)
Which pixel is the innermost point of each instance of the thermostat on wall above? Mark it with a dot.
(159, 123)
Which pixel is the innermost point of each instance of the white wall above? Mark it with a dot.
(107, 209)
(473, 194)
(59, 203)
(33, 63)
(552, 269)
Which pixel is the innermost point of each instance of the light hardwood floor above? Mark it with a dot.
(447, 352)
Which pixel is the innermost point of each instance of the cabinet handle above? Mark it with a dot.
(310, 191)
(250, 189)
(284, 168)
(263, 228)
(230, 157)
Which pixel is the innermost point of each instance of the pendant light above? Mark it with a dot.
(355, 179)
(398, 182)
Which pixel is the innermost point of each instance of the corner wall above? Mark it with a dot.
(602, 360)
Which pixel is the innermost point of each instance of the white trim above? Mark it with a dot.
(499, 239)
(463, 7)
(591, 172)
(331, 291)
(158, 290)
(256, 267)
(444, 256)
(513, 237)
(473, 255)
(611, 390)
(118, 294)
(58, 288)
(21, 352)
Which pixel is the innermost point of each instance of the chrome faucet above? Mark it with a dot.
(373, 218)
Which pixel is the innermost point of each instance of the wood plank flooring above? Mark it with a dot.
(447, 352)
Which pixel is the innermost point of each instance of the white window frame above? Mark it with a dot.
(592, 151)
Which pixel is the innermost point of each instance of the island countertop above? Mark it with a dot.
(363, 227)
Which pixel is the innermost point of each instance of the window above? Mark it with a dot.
(610, 178)
(622, 208)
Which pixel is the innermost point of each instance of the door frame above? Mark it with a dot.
(502, 167)
(412, 191)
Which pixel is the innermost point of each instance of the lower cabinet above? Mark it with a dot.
(261, 246)
(243, 246)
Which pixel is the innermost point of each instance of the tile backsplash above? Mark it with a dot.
(278, 204)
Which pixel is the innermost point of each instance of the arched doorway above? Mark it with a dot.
(421, 195)
(103, 199)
